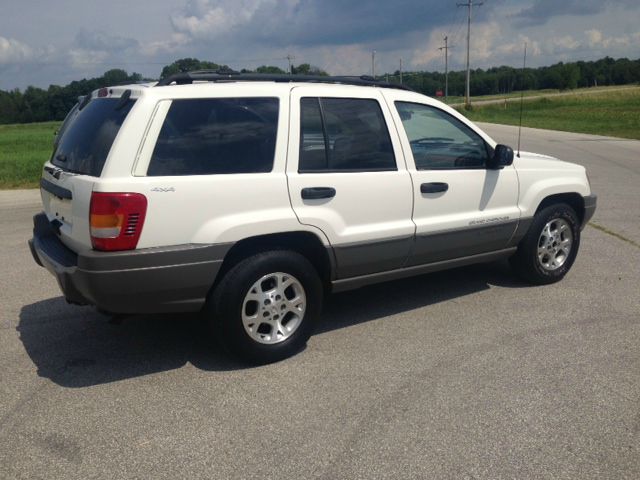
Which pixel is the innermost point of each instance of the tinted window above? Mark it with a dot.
(216, 136)
(439, 140)
(313, 155)
(344, 134)
(88, 134)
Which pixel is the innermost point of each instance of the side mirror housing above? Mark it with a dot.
(502, 157)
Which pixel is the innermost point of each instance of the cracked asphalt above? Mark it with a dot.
(465, 374)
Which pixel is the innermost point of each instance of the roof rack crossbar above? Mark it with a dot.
(209, 76)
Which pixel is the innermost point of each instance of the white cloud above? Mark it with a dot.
(174, 43)
(428, 55)
(347, 60)
(488, 47)
(564, 43)
(13, 51)
(594, 37)
(80, 57)
(209, 19)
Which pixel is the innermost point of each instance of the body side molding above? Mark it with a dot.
(361, 281)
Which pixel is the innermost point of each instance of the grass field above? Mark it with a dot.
(23, 150)
(458, 100)
(611, 113)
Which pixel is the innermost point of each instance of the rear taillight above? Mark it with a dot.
(116, 220)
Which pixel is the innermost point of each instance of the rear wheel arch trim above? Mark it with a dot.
(309, 244)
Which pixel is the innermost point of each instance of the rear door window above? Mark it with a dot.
(88, 134)
(344, 134)
(216, 136)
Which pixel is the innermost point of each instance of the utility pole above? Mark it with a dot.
(373, 64)
(446, 66)
(469, 5)
(289, 58)
(400, 70)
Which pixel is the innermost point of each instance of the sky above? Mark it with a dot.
(45, 42)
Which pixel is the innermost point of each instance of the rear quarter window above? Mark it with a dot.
(216, 136)
(88, 134)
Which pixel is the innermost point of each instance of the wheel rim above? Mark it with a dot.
(554, 244)
(273, 308)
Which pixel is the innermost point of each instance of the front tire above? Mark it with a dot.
(265, 307)
(549, 248)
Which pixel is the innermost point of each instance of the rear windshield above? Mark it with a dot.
(88, 135)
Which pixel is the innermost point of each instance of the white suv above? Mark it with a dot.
(249, 196)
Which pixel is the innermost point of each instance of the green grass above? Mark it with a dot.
(455, 100)
(459, 100)
(23, 151)
(614, 113)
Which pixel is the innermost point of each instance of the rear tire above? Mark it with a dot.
(265, 307)
(549, 248)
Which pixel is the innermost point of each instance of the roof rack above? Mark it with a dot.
(231, 76)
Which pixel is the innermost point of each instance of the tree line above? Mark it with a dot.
(39, 105)
(500, 80)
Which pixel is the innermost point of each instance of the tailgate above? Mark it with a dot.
(79, 155)
(66, 198)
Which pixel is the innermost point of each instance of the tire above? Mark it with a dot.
(265, 307)
(549, 248)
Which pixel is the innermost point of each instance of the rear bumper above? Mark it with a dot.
(590, 202)
(150, 280)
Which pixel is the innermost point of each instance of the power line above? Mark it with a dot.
(469, 5)
(456, 25)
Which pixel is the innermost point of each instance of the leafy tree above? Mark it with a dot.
(270, 69)
(189, 65)
(115, 77)
(307, 69)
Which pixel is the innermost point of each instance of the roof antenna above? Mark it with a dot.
(524, 65)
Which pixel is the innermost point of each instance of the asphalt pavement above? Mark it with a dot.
(466, 374)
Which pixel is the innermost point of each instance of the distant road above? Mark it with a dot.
(583, 91)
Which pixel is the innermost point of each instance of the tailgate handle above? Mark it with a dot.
(313, 193)
(55, 189)
(434, 187)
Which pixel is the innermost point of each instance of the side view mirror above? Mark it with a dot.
(502, 157)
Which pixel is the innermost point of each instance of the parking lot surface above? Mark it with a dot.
(462, 374)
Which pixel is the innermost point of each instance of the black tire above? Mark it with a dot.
(224, 308)
(526, 263)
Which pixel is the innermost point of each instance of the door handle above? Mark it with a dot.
(434, 187)
(313, 193)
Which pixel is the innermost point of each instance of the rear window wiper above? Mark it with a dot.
(84, 102)
(126, 95)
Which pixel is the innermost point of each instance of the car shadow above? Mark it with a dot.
(77, 347)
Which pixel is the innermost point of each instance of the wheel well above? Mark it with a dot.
(305, 243)
(574, 200)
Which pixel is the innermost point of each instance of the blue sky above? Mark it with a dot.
(46, 42)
